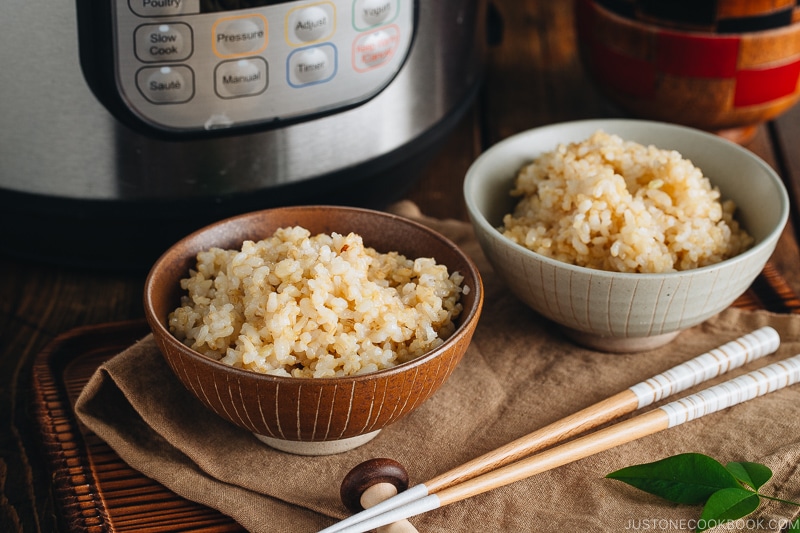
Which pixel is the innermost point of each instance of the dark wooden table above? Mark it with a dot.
(533, 77)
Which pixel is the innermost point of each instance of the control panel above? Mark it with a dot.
(190, 65)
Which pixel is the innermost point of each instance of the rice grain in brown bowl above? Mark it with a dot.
(284, 408)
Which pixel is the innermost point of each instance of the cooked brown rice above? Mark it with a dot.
(321, 306)
(611, 204)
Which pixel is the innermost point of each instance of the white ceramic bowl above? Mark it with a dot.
(627, 312)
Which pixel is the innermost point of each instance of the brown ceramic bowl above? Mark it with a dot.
(727, 83)
(306, 415)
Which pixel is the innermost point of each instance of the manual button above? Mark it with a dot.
(163, 42)
(166, 85)
(241, 77)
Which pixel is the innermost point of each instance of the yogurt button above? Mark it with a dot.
(166, 85)
(311, 24)
(375, 12)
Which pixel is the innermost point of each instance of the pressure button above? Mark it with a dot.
(166, 85)
(239, 36)
(163, 42)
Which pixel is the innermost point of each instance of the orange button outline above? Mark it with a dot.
(240, 54)
(287, 29)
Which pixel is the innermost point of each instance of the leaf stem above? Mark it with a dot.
(778, 499)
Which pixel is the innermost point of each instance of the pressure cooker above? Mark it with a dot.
(128, 123)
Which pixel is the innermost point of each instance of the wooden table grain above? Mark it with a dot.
(533, 77)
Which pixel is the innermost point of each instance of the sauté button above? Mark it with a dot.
(166, 85)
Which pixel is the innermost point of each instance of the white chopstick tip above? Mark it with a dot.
(412, 494)
(757, 383)
(733, 354)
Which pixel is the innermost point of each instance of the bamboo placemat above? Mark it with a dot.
(97, 492)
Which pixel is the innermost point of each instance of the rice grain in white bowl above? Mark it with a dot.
(614, 204)
(316, 306)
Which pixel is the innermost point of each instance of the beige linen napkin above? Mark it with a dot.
(518, 375)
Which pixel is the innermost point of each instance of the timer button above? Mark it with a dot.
(312, 23)
(241, 77)
(166, 85)
(238, 36)
(312, 65)
(163, 42)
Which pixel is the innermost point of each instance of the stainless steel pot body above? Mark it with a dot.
(63, 153)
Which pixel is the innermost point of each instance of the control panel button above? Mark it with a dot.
(375, 48)
(163, 8)
(163, 42)
(311, 23)
(370, 13)
(166, 85)
(312, 65)
(241, 77)
(239, 36)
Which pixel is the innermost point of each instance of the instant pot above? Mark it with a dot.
(127, 124)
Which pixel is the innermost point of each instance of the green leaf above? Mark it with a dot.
(726, 505)
(689, 478)
(751, 474)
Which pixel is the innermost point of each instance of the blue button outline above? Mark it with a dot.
(317, 82)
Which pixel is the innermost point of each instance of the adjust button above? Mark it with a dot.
(163, 42)
(313, 23)
(166, 85)
(241, 77)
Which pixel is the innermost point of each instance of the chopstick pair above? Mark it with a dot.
(505, 464)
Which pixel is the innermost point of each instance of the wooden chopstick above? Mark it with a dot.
(732, 392)
(733, 354)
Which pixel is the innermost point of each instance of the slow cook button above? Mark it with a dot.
(163, 42)
(312, 65)
(241, 77)
(237, 36)
(166, 85)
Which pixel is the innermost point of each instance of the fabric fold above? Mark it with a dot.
(518, 374)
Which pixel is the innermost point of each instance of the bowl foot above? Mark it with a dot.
(619, 344)
(329, 447)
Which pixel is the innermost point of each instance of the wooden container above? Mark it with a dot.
(726, 83)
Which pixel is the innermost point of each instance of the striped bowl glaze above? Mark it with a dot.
(721, 82)
(311, 416)
(627, 312)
